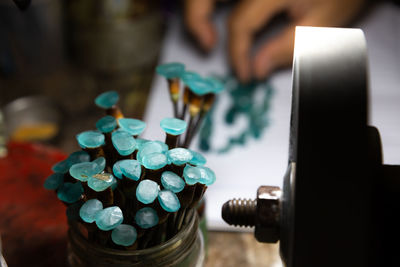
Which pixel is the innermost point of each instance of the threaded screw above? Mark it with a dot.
(240, 212)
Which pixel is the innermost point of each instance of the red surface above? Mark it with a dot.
(32, 220)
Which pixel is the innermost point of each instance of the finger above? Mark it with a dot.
(197, 19)
(248, 17)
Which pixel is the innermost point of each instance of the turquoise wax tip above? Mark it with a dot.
(168, 201)
(188, 76)
(61, 167)
(149, 148)
(172, 181)
(82, 171)
(164, 146)
(191, 174)
(140, 142)
(154, 161)
(200, 87)
(217, 86)
(147, 191)
(78, 157)
(106, 124)
(173, 126)
(101, 164)
(89, 210)
(207, 176)
(146, 218)
(198, 159)
(124, 235)
(70, 192)
(100, 182)
(131, 169)
(107, 99)
(117, 169)
(90, 139)
(179, 156)
(132, 126)
(123, 142)
(109, 218)
(171, 70)
(54, 181)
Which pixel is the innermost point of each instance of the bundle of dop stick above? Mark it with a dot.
(126, 192)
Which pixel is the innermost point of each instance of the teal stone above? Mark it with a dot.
(70, 192)
(100, 182)
(188, 76)
(117, 169)
(90, 139)
(173, 126)
(107, 124)
(54, 181)
(124, 235)
(217, 86)
(197, 159)
(140, 142)
(154, 161)
(172, 181)
(109, 218)
(101, 164)
(207, 176)
(82, 171)
(146, 218)
(170, 70)
(164, 146)
(200, 87)
(107, 99)
(147, 191)
(179, 156)
(131, 169)
(191, 174)
(89, 210)
(123, 142)
(72, 211)
(168, 201)
(61, 167)
(78, 157)
(132, 126)
(148, 148)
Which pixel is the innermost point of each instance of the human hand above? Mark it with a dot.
(249, 16)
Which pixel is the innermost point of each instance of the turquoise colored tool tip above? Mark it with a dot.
(54, 181)
(61, 167)
(78, 157)
(70, 192)
(171, 70)
(172, 181)
(168, 201)
(123, 142)
(191, 174)
(188, 76)
(147, 191)
(132, 126)
(164, 146)
(124, 235)
(200, 87)
(146, 218)
(179, 156)
(82, 171)
(217, 86)
(90, 139)
(89, 210)
(117, 169)
(109, 218)
(173, 126)
(131, 169)
(107, 99)
(106, 124)
(100, 182)
(151, 147)
(154, 161)
(101, 164)
(198, 159)
(140, 142)
(207, 176)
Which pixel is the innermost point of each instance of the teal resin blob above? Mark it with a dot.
(89, 210)
(117, 169)
(170, 70)
(168, 201)
(132, 126)
(172, 181)
(82, 171)
(106, 124)
(100, 182)
(191, 174)
(70, 192)
(217, 85)
(197, 159)
(149, 148)
(147, 191)
(101, 164)
(140, 142)
(54, 181)
(61, 167)
(78, 157)
(188, 76)
(123, 142)
(124, 235)
(154, 161)
(131, 169)
(146, 218)
(207, 176)
(200, 87)
(107, 99)
(109, 218)
(179, 156)
(173, 126)
(90, 139)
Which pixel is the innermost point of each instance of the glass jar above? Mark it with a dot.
(185, 249)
